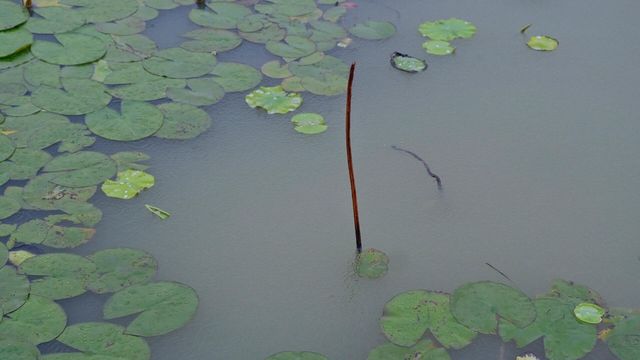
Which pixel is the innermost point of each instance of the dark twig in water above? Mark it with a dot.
(426, 166)
(352, 177)
(499, 272)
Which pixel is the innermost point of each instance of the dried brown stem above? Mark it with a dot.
(352, 177)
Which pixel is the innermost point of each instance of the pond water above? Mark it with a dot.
(538, 153)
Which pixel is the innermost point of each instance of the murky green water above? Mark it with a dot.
(537, 152)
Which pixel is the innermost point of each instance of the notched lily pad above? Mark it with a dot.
(182, 121)
(136, 120)
(407, 63)
(120, 267)
(128, 184)
(78, 97)
(71, 49)
(309, 123)
(60, 275)
(14, 290)
(274, 100)
(104, 341)
(81, 169)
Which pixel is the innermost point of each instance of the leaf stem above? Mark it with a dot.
(352, 177)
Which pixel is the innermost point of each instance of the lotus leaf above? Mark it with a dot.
(211, 40)
(182, 121)
(334, 14)
(38, 321)
(24, 163)
(61, 276)
(623, 339)
(146, 90)
(55, 20)
(11, 15)
(274, 100)
(274, 69)
(4, 253)
(409, 315)
(543, 43)
(15, 59)
(424, 350)
(14, 290)
(73, 49)
(564, 337)
(120, 267)
(96, 11)
(162, 214)
(16, 349)
(271, 32)
(130, 48)
(201, 92)
(8, 207)
(126, 160)
(407, 63)
(161, 4)
(81, 169)
(297, 355)
(42, 194)
(293, 47)
(7, 147)
(225, 15)
(79, 97)
(373, 30)
(235, 77)
(38, 73)
(103, 339)
(163, 307)
(478, 306)
(128, 26)
(447, 30)
(179, 63)
(288, 8)
(128, 184)
(438, 47)
(310, 124)
(135, 121)
(14, 40)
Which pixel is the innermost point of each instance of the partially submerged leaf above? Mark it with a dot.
(373, 30)
(447, 30)
(120, 267)
(407, 63)
(162, 214)
(309, 123)
(424, 350)
(543, 43)
(128, 184)
(274, 100)
(371, 264)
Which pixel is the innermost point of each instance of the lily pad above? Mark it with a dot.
(409, 315)
(24, 163)
(71, 49)
(293, 47)
(136, 120)
(55, 20)
(106, 340)
(162, 307)
(543, 43)
(234, 77)
(17, 257)
(39, 231)
(274, 100)
(38, 73)
(371, 263)
(162, 214)
(224, 16)
(128, 184)
(60, 276)
(211, 40)
(182, 121)
(373, 30)
(12, 15)
(42, 194)
(120, 267)
(297, 355)
(479, 305)
(589, 313)
(81, 169)
(623, 339)
(6, 147)
(310, 124)
(424, 350)
(4, 254)
(274, 69)
(271, 32)
(126, 160)
(79, 97)
(14, 290)
(147, 90)
(128, 26)
(447, 30)
(38, 321)
(16, 349)
(407, 63)
(179, 63)
(102, 11)
(201, 92)
(8, 207)
(14, 40)
(438, 47)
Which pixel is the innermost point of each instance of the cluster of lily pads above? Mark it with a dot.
(77, 72)
(570, 319)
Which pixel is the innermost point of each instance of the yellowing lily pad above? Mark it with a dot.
(543, 43)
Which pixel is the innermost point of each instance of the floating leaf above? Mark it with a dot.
(73, 49)
(84, 168)
(589, 313)
(6, 147)
(8, 207)
(162, 214)
(182, 121)
(42, 232)
(162, 307)
(136, 120)
(274, 69)
(17, 257)
(179, 63)
(201, 92)
(271, 32)
(24, 163)
(310, 124)
(273, 99)
(126, 160)
(293, 47)
(128, 184)
(225, 15)
(104, 341)
(373, 30)
(120, 267)
(16, 349)
(60, 276)
(407, 63)
(103, 11)
(211, 40)
(572, 293)
(14, 290)
(11, 15)
(161, 4)
(543, 43)
(326, 77)
(4, 254)
(409, 315)
(147, 90)
(297, 355)
(438, 47)
(372, 264)
(42, 194)
(79, 97)
(447, 30)
(623, 339)
(424, 350)
(236, 77)
(478, 306)
(38, 321)
(55, 20)
(128, 26)
(14, 40)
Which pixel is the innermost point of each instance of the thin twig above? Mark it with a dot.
(426, 166)
(498, 271)
(352, 177)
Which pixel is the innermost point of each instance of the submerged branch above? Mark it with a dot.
(426, 166)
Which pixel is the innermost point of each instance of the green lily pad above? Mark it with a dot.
(129, 48)
(252, 23)
(271, 32)
(136, 120)
(161, 4)
(55, 20)
(292, 84)
(38, 321)
(7, 229)
(71, 49)
(17, 257)
(81, 169)
(162, 214)
(162, 306)
(147, 90)
(293, 47)
(409, 315)
(274, 69)
(543, 43)
(16, 349)
(334, 14)
(24, 163)
(106, 340)
(14, 290)
(573, 293)
(120, 267)
(201, 92)
(589, 313)
(60, 276)
(211, 40)
(447, 30)
(12, 15)
(182, 121)
(38, 73)
(288, 8)
(407, 63)
(224, 16)
(4, 254)
(127, 73)
(8, 207)
(309, 123)
(479, 305)
(128, 184)
(371, 263)
(102, 11)
(623, 339)
(234, 77)
(438, 47)
(179, 63)
(7, 147)
(373, 30)
(274, 100)
(297, 355)
(327, 77)
(79, 97)
(42, 194)
(14, 40)
(128, 160)
(42, 232)
(424, 350)
(128, 26)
